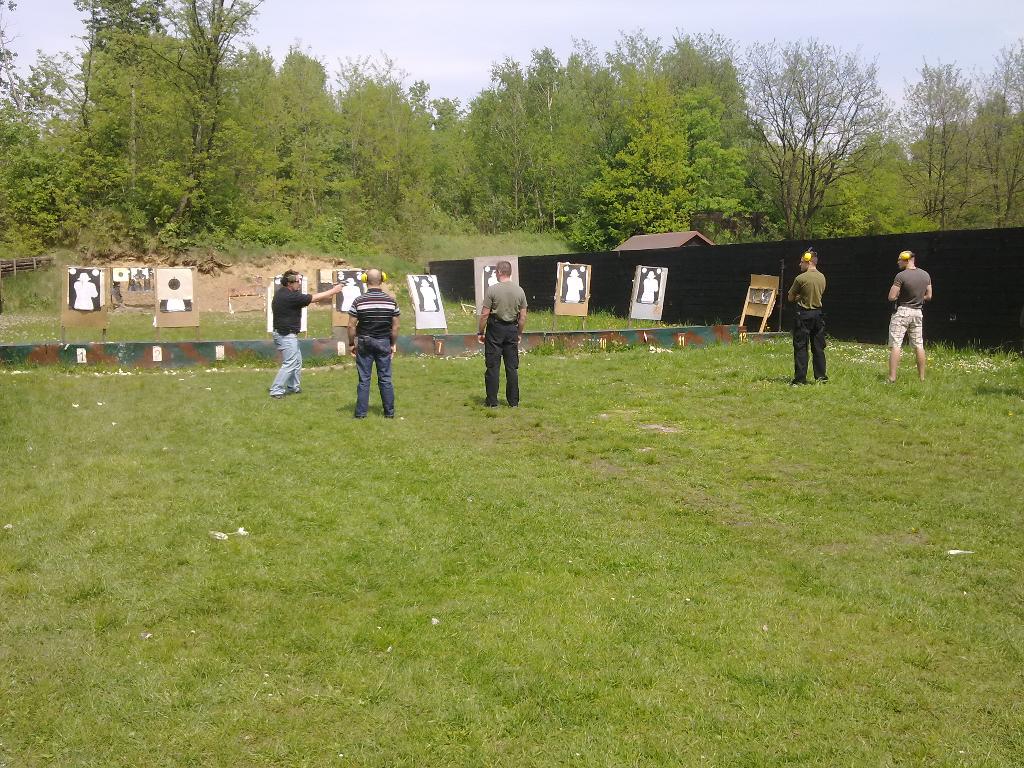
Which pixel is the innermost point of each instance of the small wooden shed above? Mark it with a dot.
(664, 240)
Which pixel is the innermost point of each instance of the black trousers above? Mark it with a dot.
(808, 327)
(501, 342)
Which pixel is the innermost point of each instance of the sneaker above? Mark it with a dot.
(294, 391)
(277, 397)
(795, 383)
(821, 379)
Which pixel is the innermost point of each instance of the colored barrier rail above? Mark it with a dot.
(148, 354)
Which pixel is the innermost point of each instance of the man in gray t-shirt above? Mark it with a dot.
(911, 288)
(502, 319)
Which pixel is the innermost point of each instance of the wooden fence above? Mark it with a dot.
(14, 266)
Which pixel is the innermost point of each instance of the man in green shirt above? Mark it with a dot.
(502, 319)
(806, 293)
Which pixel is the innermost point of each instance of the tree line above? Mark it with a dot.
(165, 128)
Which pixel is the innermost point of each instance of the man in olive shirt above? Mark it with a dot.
(911, 288)
(502, 319)
(806, 291)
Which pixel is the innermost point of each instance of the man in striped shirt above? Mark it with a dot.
(372, 335)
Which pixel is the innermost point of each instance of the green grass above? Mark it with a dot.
(659, 559)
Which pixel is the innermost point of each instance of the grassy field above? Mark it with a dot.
(658, 560)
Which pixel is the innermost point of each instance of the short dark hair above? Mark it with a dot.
(290, 276)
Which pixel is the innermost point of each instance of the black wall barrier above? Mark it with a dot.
(978, 279)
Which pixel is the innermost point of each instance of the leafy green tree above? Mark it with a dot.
(645, 187)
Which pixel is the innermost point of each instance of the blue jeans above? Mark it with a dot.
(370, 350)
(288, 378)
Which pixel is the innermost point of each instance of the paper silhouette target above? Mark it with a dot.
(86, 289)
(175, 298)
(140, 280)
(352, 280)
(648, 298)
(572, 290)
(85, 298)
(485, 272)
(426, 301)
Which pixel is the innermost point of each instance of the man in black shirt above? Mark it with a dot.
(287, 306)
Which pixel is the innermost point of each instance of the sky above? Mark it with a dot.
(452, 44)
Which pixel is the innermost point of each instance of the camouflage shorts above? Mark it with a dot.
(905, 320)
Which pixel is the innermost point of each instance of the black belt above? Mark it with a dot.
(504, 322)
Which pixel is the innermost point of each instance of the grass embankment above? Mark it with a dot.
(660, 559)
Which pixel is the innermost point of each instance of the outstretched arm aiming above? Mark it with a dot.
(333, 290)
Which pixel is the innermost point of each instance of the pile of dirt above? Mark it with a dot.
(220, 286)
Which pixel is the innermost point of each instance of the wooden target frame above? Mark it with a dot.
(188, 318)
(762, 293)
(572, 308)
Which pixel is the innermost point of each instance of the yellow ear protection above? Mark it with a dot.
(383, 277)
(906, 255)
(807, 257)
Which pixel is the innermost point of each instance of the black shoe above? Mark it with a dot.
(389, 415)
(796, 383)
(821, 379)
(490, 405)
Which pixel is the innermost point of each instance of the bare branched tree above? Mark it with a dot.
(999, 137)
(10, 83)
(813, 108)
(937, 122)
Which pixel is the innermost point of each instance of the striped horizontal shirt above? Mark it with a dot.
(374, 311)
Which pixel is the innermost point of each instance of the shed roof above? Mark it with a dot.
(664, 240)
